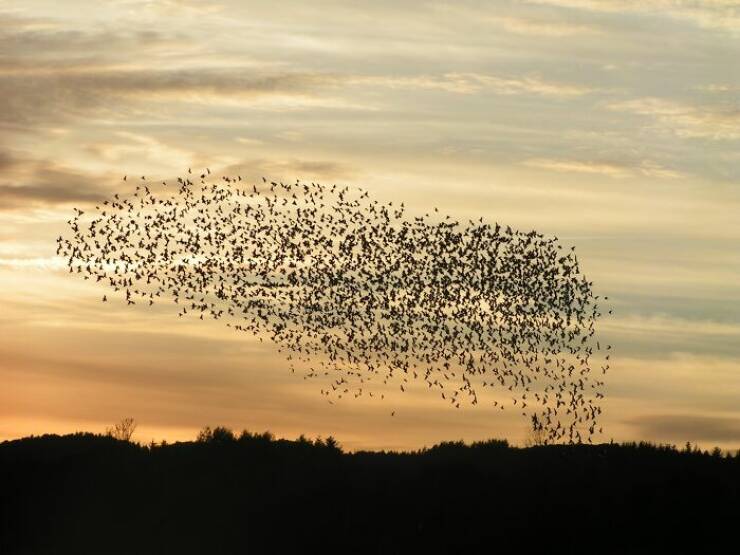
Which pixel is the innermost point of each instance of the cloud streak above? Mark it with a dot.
(688, 427)
(27, 182)
(711, 14)
(686, 121)
(63, 95)
(610, 169)
(471, 83)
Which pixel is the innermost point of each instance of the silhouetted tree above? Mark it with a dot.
(222, 434)
(219, 434)
(123, 430)
(267, 436)
(86, 493)
(246, 435)
(204, 435)
(331, 443)
(535, 437)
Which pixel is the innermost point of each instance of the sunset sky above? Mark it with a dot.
(612, 124)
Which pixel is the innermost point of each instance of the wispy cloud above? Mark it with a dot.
(688, 427)
(58, 95)
(469, 83)
(610, 169)
(688, 121)
(718, 88)
(291, 169)
(48, 263)
(717, 14)
(134, 146)
(26, 182)
(542, 27)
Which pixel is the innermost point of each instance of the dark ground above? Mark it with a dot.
(85, 493)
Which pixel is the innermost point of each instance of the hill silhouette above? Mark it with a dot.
(86, 493)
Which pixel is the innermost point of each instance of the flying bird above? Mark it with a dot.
(357, 295)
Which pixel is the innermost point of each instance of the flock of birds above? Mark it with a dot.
(359, 295)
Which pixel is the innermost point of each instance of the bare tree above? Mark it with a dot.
(123, 430)
(536, 435)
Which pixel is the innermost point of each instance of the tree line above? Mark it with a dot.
(228, 492)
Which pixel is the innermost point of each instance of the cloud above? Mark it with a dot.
(292, 136)
(50, 74)
(650, 337)
(688, 427)
(291, 169)
(33, 182)
(169, 8)
(469, 83)
(28, 182)
(712, 14)
(45, 264)
(653, 169)
(603, 168)
(540, 27)
(658, 324)
(54, 96)
(249, 141)
(686, 121)
(611, 169)
(12, 196)
(718, 88)
(37, 45)
(217, 81)
(133, 146)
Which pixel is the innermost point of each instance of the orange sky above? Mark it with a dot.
(611, 124)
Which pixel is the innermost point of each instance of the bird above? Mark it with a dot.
(353, 292)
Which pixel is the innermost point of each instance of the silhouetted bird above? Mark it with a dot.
(359, 296)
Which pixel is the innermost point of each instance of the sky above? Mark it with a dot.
(611, 124)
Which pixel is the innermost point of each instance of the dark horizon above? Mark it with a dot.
(226, 434)
(90, 493)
